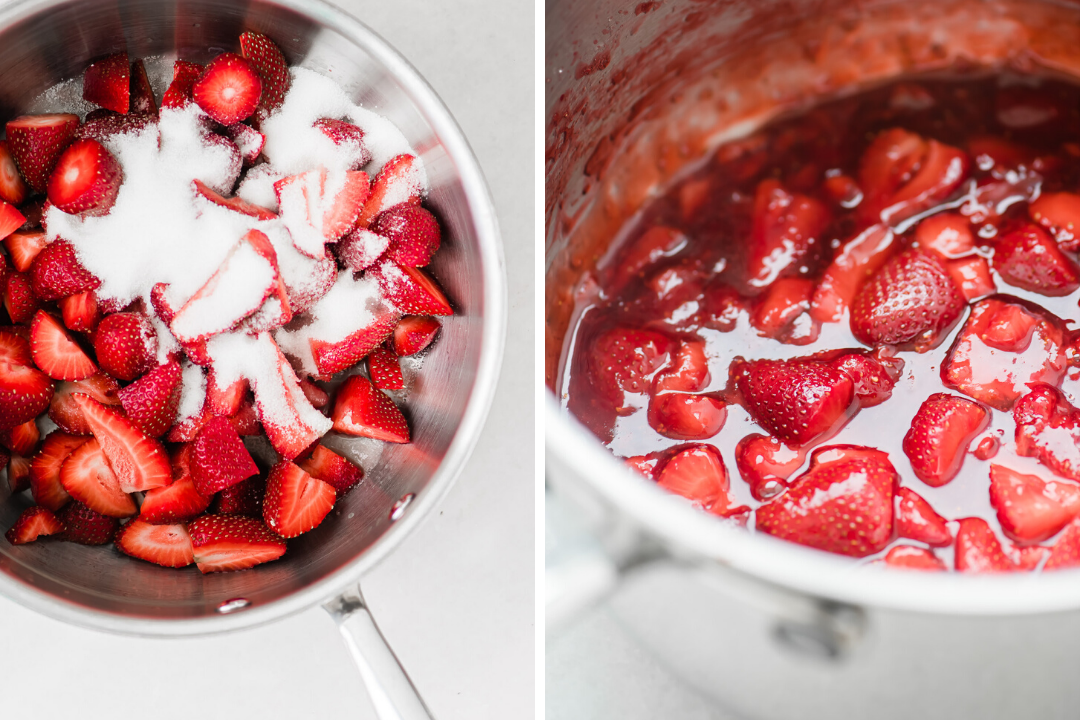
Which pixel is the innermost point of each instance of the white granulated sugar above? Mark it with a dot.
(234, 292)
(258, 186)
(166, 345)
(192, 391)
(65, 97)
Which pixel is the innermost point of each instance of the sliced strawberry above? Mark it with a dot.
(140, 463)
(414, 333)
(334, 470)
(318, 207)
(142, 97)
(843, 503)
(55, 352)
(347, 136)
(10, 219)
(290, 422)
(360, 248)
(781, 313)
(786, 232)
(234, 203)
(57, 273)
(874, 374)
(165, 545)
(107, 83)
(85, 526)
(178, 502)
(318, 397)
(859, 258)
(625, 360)
(399, 181)
(972, 276)
(1066, 551)
(224, 401)
(108, 124)
(1031, 510)
(178, 93)
(19, 298)
(940, 434)
(295, 502)
(685, 416)
(908, 557)
(1048, 428)
(979, 550)
(363, 411)
(901, 174)
(248, 141)
(219, 458)
(126, 345)
(18, 474)
(86, 179)
(25, 392)
(24, 247)
(33, 522)
(916, 520)
(228, 89)
(268, 61)
(654, 244)
(12, 187)
(413, 233)
(232, 542)
(333, 357)
(1060, 214)
(687, 372)
(21, 439)
(246, 420)
(36, 142)
(45, 467)
(385, 369)
(243, 498)
(766, 464)
(151, 402)
(80, 312)
(14, 348)
(947, 235)
(1028, 258)
(798, 401)
(65, 412)
(411, 290)
(697, 473)
(88, 478)
(303, 296)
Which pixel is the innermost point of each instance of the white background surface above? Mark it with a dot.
(456, 599)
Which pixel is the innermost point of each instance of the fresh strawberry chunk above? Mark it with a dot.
(318, 207)
(86, 179)
(364, 411)
(80, 312)
(978, 549)
(224, 400)
(947, 235)
(12, 187)
(911, 300)
(25, 392)
(45, 467)
(19, 298)
(874, 374)
(88, 478)
(232, 542)
(21, 439)
(782, 312)
(246, 420)
(107, 83)
(399, 181)
(151, 402)
(178, 501)
(104, 126)
(55, 352)
(23, 247)
(267, 59)
(625, 360)
(248, 141)
(413, 232)
(178, 94)
(304, 296)
(684, 416)
(234, 203)
(10, 219)
(916, 520)
(142, 100)
(243, 498)
(360, 248)
(697, 473)
(228, 89)
(858, 259)
(798, 401)
(334, 470)
(36, 142)
(1031, 510)
(1066, 551)
(786, 233)
(1060, 214)
(318, 397)
(333, 357)
(219, 458)
(411, 290)
(65, 412)
(126, 345)
(940, 434)
(348, 137)
(766, 464)
(908, 557)
(33, 522)
(18, 474)
(165, 545)
(385, 368)
(86, 526)
(57, 273)
(14, 347)
(140, 463)
(1028, 258)
(843, 503)
(1048, 428)
(295, 501)
(414, 333)
(290, 422)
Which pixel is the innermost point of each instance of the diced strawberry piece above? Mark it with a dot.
(55, 352)
(947, 235)
(874, 374)
(1031, 510)
(65, 412)
(245, 421)
(347, 136)
(288, 419)
(654, 244)
(85, 526)
(142, 100)
(781, 313)
(363, 411)
(843, 503)
(18, 474)
(225, 401)
(36, 142)
(987, 448)
(765, 464)
(234, 203)
(107, 83)
(86, 179)
(1028, 258)
(88, 478)
(80, 312)
(786, 232)
(399, 181)
(697, 473)
(165, 545)
(178, 501)
(12, 187)
(384, 369)
(1060, 214)
(318, 397)
(940, 434)
(243, 498)
(859, 258)
(248, 141)
(33, 522)
(21, 439)
(45, 467)
(268, 61)
(10, 219)
(334, 470)
(24, 247)
(688, 371)
(411, 290)
(684, 416)
(941, 172)
(414, 333)
(57, 273)
(295, 502)
(902, 174)
(1066, 551)
(19, 298)
(126, 345)
(228, 89)
(625, 360)
(14, 348)
(25, 392)
(333, 357)
(916, 520)
(318, 207)
(1048, 428)
(140, 463)
(843, 190)
(178, 93)
(908, 557)
(360, 248)
(978, 549)
(232, 542)
(151, 402)
(798, 401)
(322, 279)
(413, 232)
(108, 124)
(219, 458)
(972, 276)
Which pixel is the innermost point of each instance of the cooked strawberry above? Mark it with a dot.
(234, 203)
(55, 352)
(1030, 509)
(36, 142)
(385, 369)
(86, 179)
(978, 548)
(14, 348)
(947, 235)
(1048, 428)
(248, 141)
(151, 401)
(1066, 551)
(219, 458)
(913, 558)
(902, 174)
(243, 498)
(916, 520)
(413, 232)
(781, 312)
(798, 401)
(334, 470)
(45, 467)
(295, 502)
(88, 478)
(318, 397)
(18, 474)
(140, 462)
(972, 276)
(625, 360)
(165, 545)
(843, 503)
(411, 290)
(12, 187)
(333, 357)
(786, 233)
(178, 94)
(232, 542)
(874, 374)
(685, 416)
(65, 412)
(268, 61)
(940, 434)
(858, 259)
(414, 333)
(363, 411)
(107, 83)
(399, 181)
(765, 464)
(1060, 214)
(911, 300)
(57, 273)
(21, 439)
(33, 522)
(19, 298)
(25, 392)
(126, 345)
(697, 473)
(142, 97)
(346, 135)
(85, 526)
(228, 89)
(80, 312)
(654, 244)
(688, 370)
(24, 247)
(1028, 258)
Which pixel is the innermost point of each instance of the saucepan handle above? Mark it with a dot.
(392, 693)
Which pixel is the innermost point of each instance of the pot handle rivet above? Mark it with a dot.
(232, 605)
(399, 507)
(830, 633)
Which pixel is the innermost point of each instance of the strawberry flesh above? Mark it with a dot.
(333, 469)
(295, 501)
(86, 179)
(766, 464)
(362, 410)
(916, 520)
(228, 89)
(414, 333)
(89, 479)
(1030, 259)
(697, 473)
(787, 232)
(232, 542)
(907, 557)
(56, 352)
(165, 545)
(978, 549)
(1048, 429)
(940, 434)
(140, 462)
(1030, 509)
(33, 522)
(107, 83)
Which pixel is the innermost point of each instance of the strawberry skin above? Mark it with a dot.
(908, 557)
(165, 545)
(411, 290)
(385, 369)
(23, 247)
(140, 462)
(141, 95)
(326, 465)
(232, 542)
(36, 142)
(916, 520)
(686, 416)
(21, 439)
(107, 83)
(126, 345)
(940, 434)
(15, 348)
(414, 333)
(87, 477)
(228, 89)
(178, 94)
(364, 411)
(13, 188)
(85, 526)
(151, 401)
(1031, 510)
(1029, 258)
(25, 392)
(1048, 428)
(55, 352)
(413, 232)
(978, 549)
(295, 502)
(33, 522)
(86, 179)
(625, 360)
(57, 273)
(271, 66)
(219, 458)
(19, 299)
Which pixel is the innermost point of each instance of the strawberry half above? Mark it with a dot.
(318, 207)
(126, 345)
(1030, 509)
(219, 458)
(165, 545)
(978, 549)
(13, 188)
(85, 526)
(86, 179)
(940, 434)
(243, 498)
(413, 232)
(270, 64)
(1048, 428)
(45, 467)
(151, 401)
(37, 141)
(33, 522)
(786, 232)
(363, 411)
(972, 276)
(232, 542)
(179, 501)
(107, 83)
(295, 502)
(55, 352)
(88, 478)
(1028, 258)
(697, 473)
(334, 470)
(57, 273)
(23, 247)
(414, 333)
(399, 181)
(140, 463)
(908, 557)
(333, 357)
(228, 89)
(385, 369)
(916, 520)
(411, 290)
(80, 312)
(765, 464)
(1066, 551)
(65, 412)
(178, 94)
(25, 392)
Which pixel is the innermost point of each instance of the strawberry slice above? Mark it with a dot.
(126, 345)
(781, 313)
(268, 61)
(359, 249)
(410, 289)
(385, 369)
(10, 219)
(45, 467)
(972, 276)
(36, 142)
(23, 247)
(88, 478)
(142, 100)
(64, 411)
(178, 94)
(978, 549)
(295, 502)
(19, 298)
(232, 542)
(940, 434)
(12, 187)
(902, 174)
(21, 439)
(363, 411)
(765, 464)
(916, 520)
(178, 501)
(1030, 259)
(786, 233)
(290, 422)
(165, 545)
(219, 458)
(228, 89)
(57, 273)
(334, 470)
(798, 401)
(234, 203)
(685, 416)
(1066, 551)
(859, 258)
(347, 136)
(333, 357)
(55, 352)
(874, 374)
(151, 402)
(908, 557)
(1048, 429)
(400, 180)
(14, 347)
(140, 463)
(1060, 214)
(25, 392)
(248, 141)
(107, 83)
(18, 474)
(1031, 510)
(86, 179)
(697, 473)
(33, 522)
(319, 207)
(911, 300)
(243, 498)
(224, 401)
(414, 333)
(85, 526)
(654, 244)
(80, 312)
(947, 235)
(413, 233)
(843, 503)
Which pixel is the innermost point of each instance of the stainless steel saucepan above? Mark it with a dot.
(767, 629)
(45, 41)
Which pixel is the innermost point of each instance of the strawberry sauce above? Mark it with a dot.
(915, 239)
